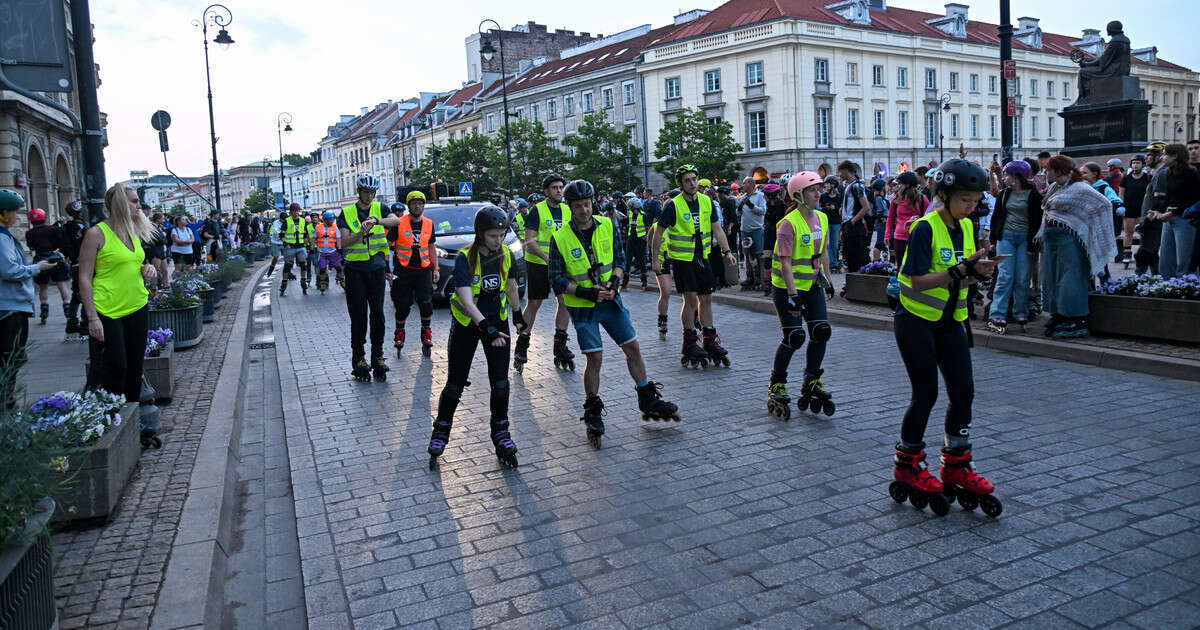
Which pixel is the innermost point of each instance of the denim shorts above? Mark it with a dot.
(756, 242)
(295, 254)
(610, 314)
(274, 249)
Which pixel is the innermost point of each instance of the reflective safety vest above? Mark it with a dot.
(375, 241)
(403, 244)
(806, 260)
(930, 304)
(294, 232)
(545, 224)
(519, 222)
(456, 305)
(681, 237)
(637, 223)
(579, 268)
(327, 238)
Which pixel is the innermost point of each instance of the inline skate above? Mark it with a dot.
(361, 370)
(693, 355)
(398, 341)
(914, 483)
(521, 352)
(813, 395)
(961, 482)
(322, 280)
(778, 401)
(564, 359)
(438, 441)
(653, 406)
(45, 313)
(506, 450)
(662, 326)
(717, 355)
(997, 325)
(593, 409)
(379, 369)
(426, 340)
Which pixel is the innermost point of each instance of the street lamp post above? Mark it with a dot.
(945, 100)
(488, 52)
(220, 16)
(283, 124)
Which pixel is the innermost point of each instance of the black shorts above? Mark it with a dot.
(692, 278)
(60, 272)
(182, 259)
(537, 278)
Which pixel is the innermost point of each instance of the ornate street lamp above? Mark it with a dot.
(283, 124)
(941, 136)
(487, 51)
(220, 16)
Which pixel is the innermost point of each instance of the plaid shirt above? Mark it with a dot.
(557, 270)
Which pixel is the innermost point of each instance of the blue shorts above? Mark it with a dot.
(755, 247)
(275, 250)
(610, 314)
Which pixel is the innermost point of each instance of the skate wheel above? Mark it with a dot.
(427, 351)
(814, 406)
(433, 462)
(683, 361)
(898, 492)
(948, 492)
(594, 440)
(509, 461)
(938, 504)
(828, 408)
(990, 505)
(968, 501)
(919, 500)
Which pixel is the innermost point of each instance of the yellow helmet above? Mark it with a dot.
(416, 194)
(705, 183)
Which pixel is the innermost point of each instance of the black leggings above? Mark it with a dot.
(364, 293)
(926, 348)
(120, 356)
(412, 285)
(14, 334)
(461, 352)
(812, 311)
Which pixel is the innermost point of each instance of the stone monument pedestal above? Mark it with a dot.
(1115, 127)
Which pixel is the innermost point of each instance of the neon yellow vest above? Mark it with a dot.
(578, 269)
(805, 259)
(637, 223)
(930, 304)
(681, 236)
(293, 231)
(456, 305)
(376, 240)
(544, 223)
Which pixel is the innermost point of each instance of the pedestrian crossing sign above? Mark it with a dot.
(464, 188)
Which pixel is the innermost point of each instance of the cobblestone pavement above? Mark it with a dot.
(109, 575)
(732, 518)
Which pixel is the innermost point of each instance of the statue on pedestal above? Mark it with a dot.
(1113, 63)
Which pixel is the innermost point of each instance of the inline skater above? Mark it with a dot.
(415, 270)
(586, 266)
(637, 242)
(688, 225)
(72, 238)
(364, 240)
(44, 240)
(541, 222)
(297, 235)
(483, 292)
(930, 331)
(274, 243)
(800, 277)
(326, 246)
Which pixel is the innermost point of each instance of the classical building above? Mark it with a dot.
(152, 188)
(353, 149)
(525, 42)
(247, 178)
(323, 174)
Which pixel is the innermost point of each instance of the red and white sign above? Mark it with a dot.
(1010, 69)
(1011, 109)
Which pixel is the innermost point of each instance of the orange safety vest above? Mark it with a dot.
(327, 237)
(404, 240)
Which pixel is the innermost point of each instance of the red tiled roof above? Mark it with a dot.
(465, 94)
(625, 51)
(368, 122)
(738, 13)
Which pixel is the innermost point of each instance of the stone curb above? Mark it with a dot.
(192, 591)
(1172, 367)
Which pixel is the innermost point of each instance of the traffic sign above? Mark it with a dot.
(1012, 107)
(1010, 69)
(464, 188)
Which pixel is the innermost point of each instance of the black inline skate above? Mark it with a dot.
(398, 341)
(997, 325)
(506, 450)
(563, 357)
(521, 352)
(379, 368)
(45, 313)
(693, 355)
(361, 370)
(653, 406)
(813, 395)
(717, 355)
(778, 401)
(593, 409)
(438, 441)
(426, 340)
(322, 280)
(662, 326)
(283, 285)
(304, 285)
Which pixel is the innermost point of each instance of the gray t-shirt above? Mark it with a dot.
(753, 211)
(1017, 206)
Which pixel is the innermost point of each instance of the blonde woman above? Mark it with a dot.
(112, 275)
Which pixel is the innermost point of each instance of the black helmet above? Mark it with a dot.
(551, 178)
(398, 208)
(490, 218)
(578, 189)
(958, 174)
(682, 169)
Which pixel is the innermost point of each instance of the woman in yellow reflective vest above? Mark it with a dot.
(800, 289)
(483, 294)
(939, 262)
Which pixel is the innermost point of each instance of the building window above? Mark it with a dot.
(879, 114)
(491, 124)
(852, 73)
(953, 125)
(1154, 96)
(754, 73)
(606, 97)
(902, 124)
(712, 81)
(1066, 90)
(992, 126)
(552, 109)
(930, 78)
(822, 71)
(535, 113)
(1049, 89)
(1033, 126)
(1050, 127)
(901, 77)
(852, 123)
(673, 87)
(974, 82)
(554, 143)
(568, 106)
(519, 113)
(627, 93)
(877, 76)
(712, 120)
(1033, 87)
(953, 81)
(993, 84)
(587, 102)
(974, 125)
(757, 130)
(823, 127)
(1176, 99)
(931, 129)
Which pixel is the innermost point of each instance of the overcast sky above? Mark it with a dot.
(317, 60)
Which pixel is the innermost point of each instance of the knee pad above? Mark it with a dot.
(821, 331)
(793, 337)
(426, 309)
(452, 392)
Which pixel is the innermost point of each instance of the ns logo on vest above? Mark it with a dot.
(687, 216)
(576, 253)
(806, 239)
(946, 254)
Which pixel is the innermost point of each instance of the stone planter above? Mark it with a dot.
(101, 471)
(186, 323)
(219, 289)
(27, 577)
(1149, 318)
(863, 287)
(208, 309)
(160, 373)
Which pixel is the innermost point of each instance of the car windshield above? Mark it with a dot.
(452, 219)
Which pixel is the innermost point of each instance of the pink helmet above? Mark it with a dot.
(771, 189)
(802, 180)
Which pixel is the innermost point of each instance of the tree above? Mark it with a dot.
(604, 156)
(295, 159)
(461, 160)
(692, 139)
(257, 201)
(532, 157)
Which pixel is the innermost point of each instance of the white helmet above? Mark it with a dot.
(368, 181)
(1115, 162)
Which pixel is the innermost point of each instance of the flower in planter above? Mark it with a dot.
(257, 245)
(1147, 285)
(173, 298)
(878, 268)
(75, 420)
(191, 283)
(157, 340)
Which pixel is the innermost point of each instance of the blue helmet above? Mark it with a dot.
(328, 214)
(521, 203)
